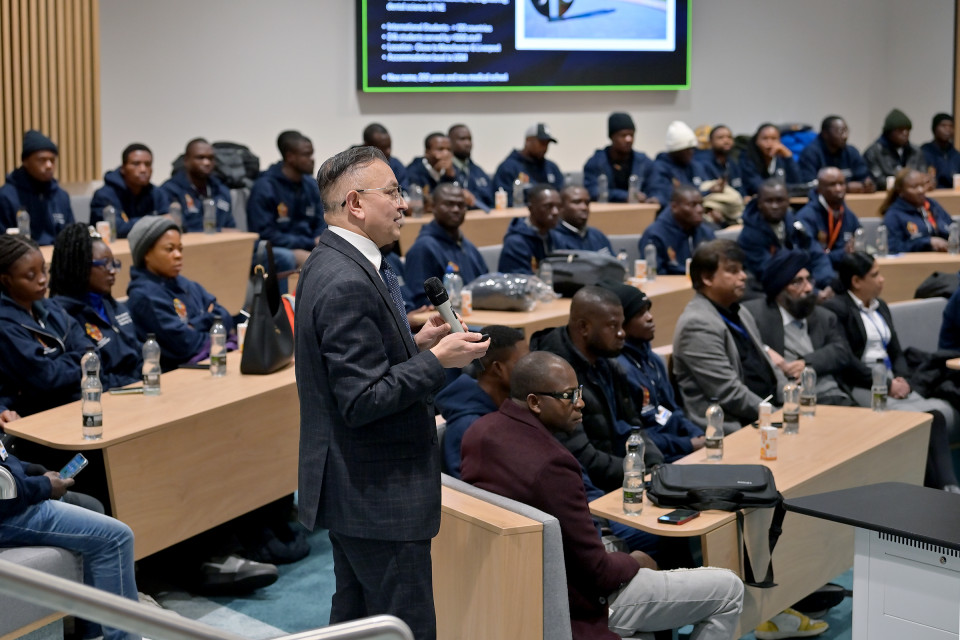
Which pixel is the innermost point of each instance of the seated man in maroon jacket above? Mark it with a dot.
(513, 453)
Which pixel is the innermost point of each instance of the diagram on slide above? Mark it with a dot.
(595, 25)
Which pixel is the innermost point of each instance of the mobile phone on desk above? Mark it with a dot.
(73, 467)
(126, 391)
(679, 516)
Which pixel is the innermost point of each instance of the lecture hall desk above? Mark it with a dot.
(486, 229)
(841, 447)
(867, 205)
(218, 261)
(904, 272)
(204, 452)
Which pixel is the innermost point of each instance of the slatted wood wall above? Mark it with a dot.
(50, 81)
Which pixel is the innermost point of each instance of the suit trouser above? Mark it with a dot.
(384, 576)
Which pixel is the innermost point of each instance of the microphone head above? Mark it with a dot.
(435, 291)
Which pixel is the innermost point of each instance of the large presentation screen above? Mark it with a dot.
(523, 45)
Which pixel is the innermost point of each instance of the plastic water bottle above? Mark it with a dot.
(90, 391)
(23, 222)
(883, 246)
(453, 283)
(218, 348)
(519, 197)
(209, 215)
(859, 242)
(650, 257)
(714, 431)
(953, 240)
(878, 391)
(633, 188)
(110, 217)
(176, 213)
(151, 366)
(603, 188)
(416, 200)
(791, 408)
(808, 392)
(546, 273)
(624, 259)
(633, 478)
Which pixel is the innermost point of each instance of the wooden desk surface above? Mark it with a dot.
(218, 261)
(904, 272)
(867, 205)
(486, 229)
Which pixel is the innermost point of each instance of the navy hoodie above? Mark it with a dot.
(647, 377)
(400, 172)
(179, 311)
(460, 403)
(288, 214)
(31, 489)
(759, 242)
(47, 204)
(729, 171)
(523, 248)
(674, 245)
(947, 163)
(476, 181)
(151, 201)
(815, 157)
(665, 171)
(753, 175)
(417, 174)
(121, 359)
(528, 171)
(39, 359)
(908, 229)
(814, 216)
(568, 237)
(430, 255)
(599, 163)
(180, 189)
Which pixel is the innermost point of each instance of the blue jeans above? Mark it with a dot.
(105, 545)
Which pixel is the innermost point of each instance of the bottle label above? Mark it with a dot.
(93, 421)
(152, 379)
(218, 361)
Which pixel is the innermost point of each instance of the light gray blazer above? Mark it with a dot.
(707, 365)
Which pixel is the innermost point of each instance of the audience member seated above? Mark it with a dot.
(717, 349)
(892, 151)
(618, 161)
(677, 165)
(674, 434)
(827, 217)
(765, 158)
(573, 232)
(914, 222)
(478, 189)
(591, 342)
(434, 166)
(285, 206)
(717, 159)
(769, 225)
(441, 245)
(32, 187)
(867, 326)
(178, 311)
(950, 325)
(40, 345)
(470, 397)
(514, 453)
(529, 240)
(82, 273)
(195, 184)
(529, 165)
(128, 190)
(940, 153)
(376, 135)
(830, 149)
(677, 231)
(796, 332)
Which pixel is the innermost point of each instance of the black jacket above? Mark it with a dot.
(848, 315)
(597, 445)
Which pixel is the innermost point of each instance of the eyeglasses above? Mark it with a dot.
(109, 265)
(572, 395)
(391, 192)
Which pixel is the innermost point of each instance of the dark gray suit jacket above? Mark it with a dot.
(369, 458)
(830, 355)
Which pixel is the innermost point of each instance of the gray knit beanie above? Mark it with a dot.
(144, 235)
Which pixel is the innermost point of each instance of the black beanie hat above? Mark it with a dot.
(34, 141)
(896, 119)
(940, 117)
(618, 122)
(632, 299)
(783, 266)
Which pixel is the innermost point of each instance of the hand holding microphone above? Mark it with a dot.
(458, 348)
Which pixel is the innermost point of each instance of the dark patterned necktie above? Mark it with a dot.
(393, 286)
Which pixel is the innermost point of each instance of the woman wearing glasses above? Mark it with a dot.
(82, 273)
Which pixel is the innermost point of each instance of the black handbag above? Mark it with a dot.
(726, 487)
(268, 343)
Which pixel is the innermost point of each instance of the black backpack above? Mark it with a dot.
(573, 270)
(234, 165)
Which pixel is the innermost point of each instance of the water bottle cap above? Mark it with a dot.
(450, 268)
(151, 336)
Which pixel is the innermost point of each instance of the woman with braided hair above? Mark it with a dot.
(40, 345)
(82, 274)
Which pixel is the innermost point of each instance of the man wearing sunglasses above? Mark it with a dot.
(514, 452)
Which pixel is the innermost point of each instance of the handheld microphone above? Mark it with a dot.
(439, 299)
(804, 237)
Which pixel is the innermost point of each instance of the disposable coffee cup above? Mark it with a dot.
(103, 228)
(640, 269)
(956, 182)
(769, 437)
(689, 260)
(890, 180)
(241, 335)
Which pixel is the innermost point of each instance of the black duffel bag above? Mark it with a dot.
(573, 270)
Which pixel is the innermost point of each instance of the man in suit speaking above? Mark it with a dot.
(369, 458)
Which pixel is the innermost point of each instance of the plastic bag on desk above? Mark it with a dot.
(509, 292)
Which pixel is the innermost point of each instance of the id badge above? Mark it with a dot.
(663, 415)
(3, 452)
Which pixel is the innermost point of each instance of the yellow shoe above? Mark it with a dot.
(790, 623)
